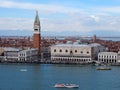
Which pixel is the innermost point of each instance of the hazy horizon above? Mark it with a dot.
(47, 33)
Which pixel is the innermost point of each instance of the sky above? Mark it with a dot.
(61, 17)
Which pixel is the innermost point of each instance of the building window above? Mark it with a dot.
(112, 56)
(107, 56)
(54, 50)
(66, 50)
(87, 52)
(36, 29)
(71, 52)
(60, 50)
(81, 52)
(75, 51)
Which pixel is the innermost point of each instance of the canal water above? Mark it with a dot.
(45, 76)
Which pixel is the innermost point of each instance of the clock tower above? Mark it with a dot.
(36, 35)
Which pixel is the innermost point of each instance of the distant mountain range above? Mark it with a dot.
(55, 33)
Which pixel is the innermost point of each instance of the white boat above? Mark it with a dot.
(66, 86)
(23, 70)
(71, 86)
(59, 85)
(103, 68)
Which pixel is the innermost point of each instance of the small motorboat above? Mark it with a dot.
(59, 85)
(71, 86)
(66, 86)
(103, 68)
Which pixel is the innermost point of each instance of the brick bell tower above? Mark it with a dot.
(36, 35)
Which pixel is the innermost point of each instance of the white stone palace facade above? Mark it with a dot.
(75, 53)
(108, 57)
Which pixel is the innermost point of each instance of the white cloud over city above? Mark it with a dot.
(67, 18)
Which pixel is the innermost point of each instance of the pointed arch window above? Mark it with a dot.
(75, 51)
(66, 50)
(71, 52)
(60, 50)
(87, 52)
(54, 50)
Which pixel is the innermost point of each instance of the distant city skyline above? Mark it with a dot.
(70, 17)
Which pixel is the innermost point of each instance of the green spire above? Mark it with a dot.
(37, 18)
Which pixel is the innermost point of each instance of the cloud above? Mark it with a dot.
(16, 24)
(57, 8)
(63, 18)
(83, 24)
(115, 9)
(97, 19)
(45, 8)
(54, 9)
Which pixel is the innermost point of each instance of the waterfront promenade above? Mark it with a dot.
(49, 61)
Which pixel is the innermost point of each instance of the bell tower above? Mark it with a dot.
(36, 35)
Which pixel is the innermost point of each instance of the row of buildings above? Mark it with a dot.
(72, 53)
(18, 55)
(75, 52)
(83, 53)
(26, 50)
(60, 51)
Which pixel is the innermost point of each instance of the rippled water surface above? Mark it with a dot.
(45, 76)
